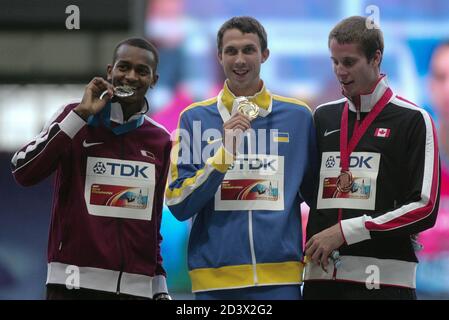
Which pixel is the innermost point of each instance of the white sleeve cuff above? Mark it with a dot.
(71, 124)
(159, 285)
(354, 230)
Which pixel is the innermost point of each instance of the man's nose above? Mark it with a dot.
(131, 75)
(240, 58)
(340, 70)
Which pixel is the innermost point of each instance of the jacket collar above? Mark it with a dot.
(367, 101)
(112, 117)
(117, 112)
(227, 107)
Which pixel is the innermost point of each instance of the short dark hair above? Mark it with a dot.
(245, 25)
(139, 43)
(355, 30)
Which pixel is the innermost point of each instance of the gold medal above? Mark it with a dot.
(247, 107)
(345, 181)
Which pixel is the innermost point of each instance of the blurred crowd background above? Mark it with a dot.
(44, 65)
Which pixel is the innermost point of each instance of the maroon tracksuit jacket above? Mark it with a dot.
(108, 198)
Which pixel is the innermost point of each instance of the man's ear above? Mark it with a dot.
(220, 57)
(265, 55)
(109, 72)
(377, 58)
(155, 79)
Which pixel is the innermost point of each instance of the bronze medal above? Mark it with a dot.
(345, 181)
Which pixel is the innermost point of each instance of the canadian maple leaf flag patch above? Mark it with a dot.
(382, 133)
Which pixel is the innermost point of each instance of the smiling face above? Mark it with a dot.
(355, 73)
(241, 58)
(134, 67)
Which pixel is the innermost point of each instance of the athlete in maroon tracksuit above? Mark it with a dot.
(111, 164)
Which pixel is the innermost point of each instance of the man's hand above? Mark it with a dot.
(91, 103)
(319, 247)
(233, 130)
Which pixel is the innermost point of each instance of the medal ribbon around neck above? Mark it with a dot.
(345, 148)
(105, 116)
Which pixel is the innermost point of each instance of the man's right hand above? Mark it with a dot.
(91, 103)
(233, 130)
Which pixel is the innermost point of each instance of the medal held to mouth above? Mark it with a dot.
(120, 91)
(247, 107)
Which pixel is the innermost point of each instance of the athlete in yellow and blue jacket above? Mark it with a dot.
(246, 236)
(244, 233)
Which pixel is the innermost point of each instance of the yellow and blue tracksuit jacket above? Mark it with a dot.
(246, 228)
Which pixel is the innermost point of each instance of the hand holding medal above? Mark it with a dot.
(239, 122)
(92, 101)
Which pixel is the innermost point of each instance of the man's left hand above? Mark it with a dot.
(319, 247)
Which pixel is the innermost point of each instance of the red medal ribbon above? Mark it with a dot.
(345, 148)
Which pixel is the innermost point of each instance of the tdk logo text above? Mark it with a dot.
(124, 170)
(354, 162)
(254, 164)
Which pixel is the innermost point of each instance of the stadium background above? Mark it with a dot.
(43, 65)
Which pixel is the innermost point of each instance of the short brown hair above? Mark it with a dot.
(355, 30)
(245, 25)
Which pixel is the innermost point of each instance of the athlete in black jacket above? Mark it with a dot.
(379, 178)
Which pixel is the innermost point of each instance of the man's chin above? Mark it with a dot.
(240, 84)
(350, 93)
(131, 99)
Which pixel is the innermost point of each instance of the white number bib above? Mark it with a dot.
(364, 167)
(254, 182)
(119, 188)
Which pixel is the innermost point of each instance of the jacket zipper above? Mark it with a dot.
(251, 246)
(119, 228)
(357, 121)
(340, 211)
(119, 223)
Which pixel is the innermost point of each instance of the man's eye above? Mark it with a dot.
(122, 67)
